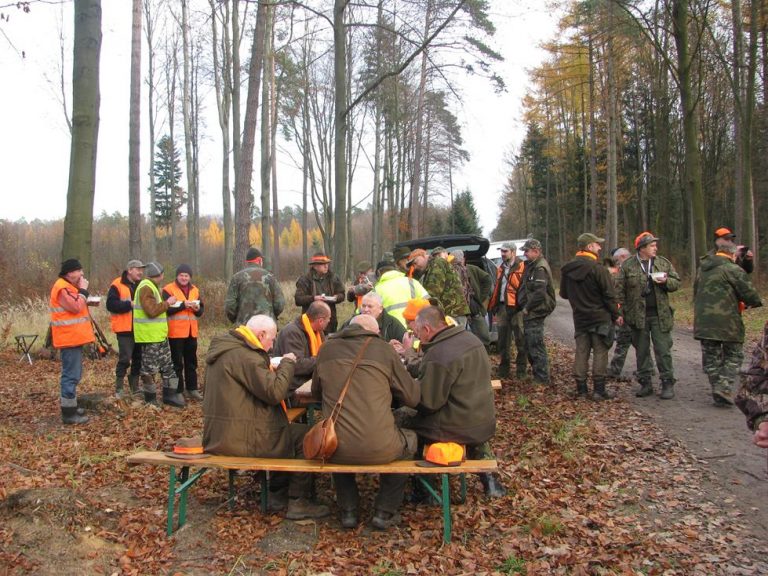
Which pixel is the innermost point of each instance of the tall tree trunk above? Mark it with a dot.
(611, 217)
(749, 229)
(339, 231)
(186, 113)
(739, 104)
(78, 222)
(237, 256)
(274, 97)
(592, 140)
(243, 196)
(150, 36)
(134, 137)
(266, 147)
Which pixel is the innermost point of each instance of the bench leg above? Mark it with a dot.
(446, 497)
(183, 496)
(231, 491)
(171, 500)
(463, 489)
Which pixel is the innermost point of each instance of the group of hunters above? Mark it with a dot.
(415, 353)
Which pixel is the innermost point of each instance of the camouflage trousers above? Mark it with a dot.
(721, 362)
(533, 332)
(156, 359)
(511, 328)
(623, 344)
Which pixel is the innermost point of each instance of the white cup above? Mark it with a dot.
(275, 362)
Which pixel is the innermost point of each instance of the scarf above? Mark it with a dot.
(587, 254)
(315, 338)
(253, 340)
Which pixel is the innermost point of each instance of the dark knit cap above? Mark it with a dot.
(70, 265)
(184, 269)
(252, 254)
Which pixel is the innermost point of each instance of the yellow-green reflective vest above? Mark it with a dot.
(148, 330)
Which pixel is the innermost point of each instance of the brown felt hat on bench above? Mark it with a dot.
(188, 448)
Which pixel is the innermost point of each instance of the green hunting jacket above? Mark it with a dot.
(442, 282)
(629, 289)
(253, 290)
(719, 287)
(536, 295)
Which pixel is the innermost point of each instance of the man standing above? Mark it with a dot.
(253, 290)
(643, 288)
(71, 330)
(362, 285)
(150, 329)
(242, 411)
(182, 329)
(503, 304)
(366, 427)
(744, 257)
(623, 331)
(120, 306)
(456, 396)
(536, 301)
(396, 289)
(303, 338)
(720, 292)
(441, 281)
(320, 284)
(477, 290)
(588, 285)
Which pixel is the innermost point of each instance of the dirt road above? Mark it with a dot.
(717, 437)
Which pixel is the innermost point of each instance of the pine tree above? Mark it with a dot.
(169, 196)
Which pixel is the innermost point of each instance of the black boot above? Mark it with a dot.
(173, 398)
(150, 398)
(581, 388)
(492, 485)
(667, 389)
(69, 415)
(133, 383)
(646, 389)
(119, 380)
(600, 393)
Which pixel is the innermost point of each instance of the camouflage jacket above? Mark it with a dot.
(442, 282)
(253, 290)
(536, 295)
(719, 287)
(633, 280)
(752, 398)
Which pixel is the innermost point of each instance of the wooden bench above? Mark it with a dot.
(232, 464)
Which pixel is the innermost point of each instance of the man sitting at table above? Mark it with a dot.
(243, 409)
(366, 427)
(390, 327)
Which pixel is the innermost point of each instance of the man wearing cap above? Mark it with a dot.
(623, 332)
(366, 427)
(182, 329)
(120, 307)
(744, 256)
(442, 282)
(720, 292)
(396, 289)
(400, 255)
(303, 338)
(150, 329)
(362, 285)
(70, 330)
(536, 301)
(477, 291)
(503, 303)
(588, 286)
(320, 284)
(253, 290)
(643, 288)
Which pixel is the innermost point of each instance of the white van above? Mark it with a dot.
(494, 255)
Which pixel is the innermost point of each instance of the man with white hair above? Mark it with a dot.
(243, 409)
(389, 327)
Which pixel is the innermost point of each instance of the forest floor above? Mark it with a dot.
(632, 486)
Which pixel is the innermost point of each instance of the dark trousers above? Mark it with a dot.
(587, 342)
(511, 328)
(129, 355)
(533, 330)
(662, 350)
(184, 357)
(623, 344)
(391, 486)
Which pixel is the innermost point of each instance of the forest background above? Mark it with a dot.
(645, 115)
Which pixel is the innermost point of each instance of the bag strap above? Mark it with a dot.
(337, 408)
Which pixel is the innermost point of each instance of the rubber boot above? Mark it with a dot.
(646, 389)
(667, 389)
(492, 485)
(581, 388)
(600, 393)
(150, 398)
(173, 398)
(119, 382)
(133, 383)
(69, 415)
(150, 394)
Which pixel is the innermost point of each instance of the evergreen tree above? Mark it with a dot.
(169, 196)
(464, 214)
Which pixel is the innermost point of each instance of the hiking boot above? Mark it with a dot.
(133, 384)
(492, 485)
(721, 401)
(195, 395)
(173, 398)
(349, 519)
(69, 415)
(581, 388)
(667, 390)
(600, 393)
(383, 520)
(119, 381)
(646, 389)
(302, 508)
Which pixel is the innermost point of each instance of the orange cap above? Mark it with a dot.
(724, 233)
(415, 254)
(444, 454)
(643, 239)
(319, 258)
(413, 307)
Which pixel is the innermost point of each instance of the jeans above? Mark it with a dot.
(71, 373)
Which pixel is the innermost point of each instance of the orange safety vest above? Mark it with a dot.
(122, 322)
(182, 324)
(67, 329)
(513, 283)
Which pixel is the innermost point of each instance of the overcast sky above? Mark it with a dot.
(34, 149)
